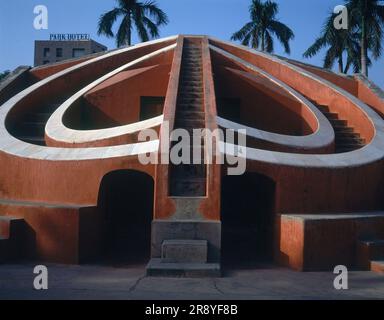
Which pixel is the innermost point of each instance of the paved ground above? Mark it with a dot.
(106, 282)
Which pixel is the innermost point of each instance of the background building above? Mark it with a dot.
(49, 51)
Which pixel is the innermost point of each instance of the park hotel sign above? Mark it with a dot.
(69, 37)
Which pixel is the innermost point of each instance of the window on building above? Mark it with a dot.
(45, 61)
(59, 52)
(78, 52)
(46, 52)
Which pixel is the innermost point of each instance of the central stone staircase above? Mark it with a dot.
(181, 248)
(189, 180)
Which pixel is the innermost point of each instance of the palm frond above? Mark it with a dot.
(122, 36)
(268, 42)
(138, 16)
(315, 47)
(243, 32)
(330, 57)
(283, 33)
(107, 20)
(271, 8)
(151, 27)
(151, 8)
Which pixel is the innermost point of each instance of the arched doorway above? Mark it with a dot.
(247, 209)
(126, 200)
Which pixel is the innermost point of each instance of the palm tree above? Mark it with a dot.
(263, 25)
(368, 20)
(339, 43)
(133, 13)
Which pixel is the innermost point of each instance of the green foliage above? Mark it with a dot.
(339, 43)
(367, 19)
(259, 32)
(146, 17)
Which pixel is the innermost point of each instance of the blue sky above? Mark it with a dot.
(219, 18)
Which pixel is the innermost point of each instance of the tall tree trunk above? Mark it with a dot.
(347, 66)
(341, 67)
(129, 30)
(364, 51)
(263, 41)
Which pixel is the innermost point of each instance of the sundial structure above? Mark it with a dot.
(74, 188)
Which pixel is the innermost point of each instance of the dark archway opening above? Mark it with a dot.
(247, 209)
(126, 200)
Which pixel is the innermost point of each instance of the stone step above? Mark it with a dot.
(184, 251)
(194, 153)
(192, 131)
(192, 60)
(377, 266)
(352, 135)
(349, 140)
(188, 82)
(342, 129)
(322, 108)
(191, 81)
(189, 123)
(192, 66)
(191, 47)
(187, 64)
(193, 107)
(191, 74)
(157, 268)
(191, 95)
(331, 115)
(192, 71)
(353, 146)
(191, 114)
(338, 122)
(192, 52)
(191, 87)
(344, 150)
(185, 100)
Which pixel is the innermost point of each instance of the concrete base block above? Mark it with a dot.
(184, 251)
(158, 268)
(165, 230)
(323, 241)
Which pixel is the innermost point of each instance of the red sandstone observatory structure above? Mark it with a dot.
(72, 188)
